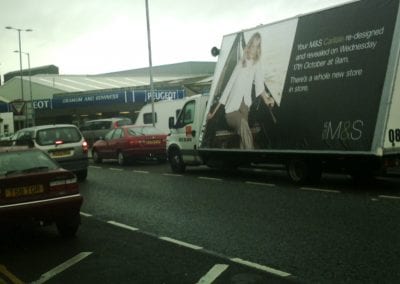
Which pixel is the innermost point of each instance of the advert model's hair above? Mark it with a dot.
(254, 37)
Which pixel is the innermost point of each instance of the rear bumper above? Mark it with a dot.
(74, 165)
(46, 210)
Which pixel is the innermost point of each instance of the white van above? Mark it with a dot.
(163, 110)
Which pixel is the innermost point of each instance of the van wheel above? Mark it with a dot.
(96, 157)
(176, 161)
(302, 172)
(121, 159)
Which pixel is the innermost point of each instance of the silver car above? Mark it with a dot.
(63, 142)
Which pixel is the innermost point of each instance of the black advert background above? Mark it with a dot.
(335, 78)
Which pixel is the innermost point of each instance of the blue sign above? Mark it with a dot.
(122, 97)
(3, 107)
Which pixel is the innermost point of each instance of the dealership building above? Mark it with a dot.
(43, 96)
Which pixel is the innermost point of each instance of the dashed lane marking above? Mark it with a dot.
(210, 178)
(116, 169)
(180, 243)
(95, 167)
(140, 172)
(213, 274)
(261, 267)
(260, 183)
(389, 197)
(63, 266)
(86, 214)
(195, 247)
(172, 175)
(122, 226)
(319, 190)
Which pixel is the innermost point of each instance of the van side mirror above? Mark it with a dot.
(171, 122)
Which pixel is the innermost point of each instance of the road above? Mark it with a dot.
(142, 224)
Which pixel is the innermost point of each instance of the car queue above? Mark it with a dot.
(41, 167)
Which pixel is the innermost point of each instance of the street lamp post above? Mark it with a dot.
(20, 55)
(30, 84)
(150, 63)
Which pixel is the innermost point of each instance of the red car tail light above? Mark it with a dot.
(134, 142)
(59, 142)
(85, 147)
(64, 185)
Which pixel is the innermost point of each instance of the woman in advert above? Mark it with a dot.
(236, 97)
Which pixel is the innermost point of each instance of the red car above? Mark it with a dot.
(131, 142)
(33, 188)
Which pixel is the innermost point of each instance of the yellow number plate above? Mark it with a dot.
(153, 142)
(61, 153)
(24, 190)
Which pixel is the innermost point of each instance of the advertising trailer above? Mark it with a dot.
(314, 92)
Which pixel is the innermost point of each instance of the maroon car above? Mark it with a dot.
(131, 142)
(33, 188)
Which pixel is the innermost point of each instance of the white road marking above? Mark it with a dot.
(261, 267)
(116, 169)
(389, 196)
(213, 274)
(60, 268)
(172, 175)
(122, 225)
(140, 172)
(86, 214)
(180, 243)
(210, 178)
(320, 190)
(95, 167)
(260, 183)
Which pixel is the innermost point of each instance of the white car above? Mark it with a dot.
(63, 142)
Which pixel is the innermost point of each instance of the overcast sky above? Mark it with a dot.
(100, 36)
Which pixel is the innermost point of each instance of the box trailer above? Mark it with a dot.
(315, 92)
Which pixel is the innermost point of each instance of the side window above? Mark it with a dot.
(186, 116)
(109, 135)
(148, 118)
(106, 125)
(124, 122)
(177, 112)
(117, 133)
(95, 125)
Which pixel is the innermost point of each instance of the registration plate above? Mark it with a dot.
(24, 191)
(153, 142)
(61, 153)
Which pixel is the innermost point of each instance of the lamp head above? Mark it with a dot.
(215, 51)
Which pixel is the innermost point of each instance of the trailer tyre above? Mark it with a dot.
(303, 172)
(176, 161)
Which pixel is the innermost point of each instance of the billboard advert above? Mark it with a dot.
(308, 83)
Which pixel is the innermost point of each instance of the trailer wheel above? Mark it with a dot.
(176, 161)
(302, 171)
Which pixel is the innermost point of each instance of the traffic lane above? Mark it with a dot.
(315, 235)
(273, 174)
(109, 253)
